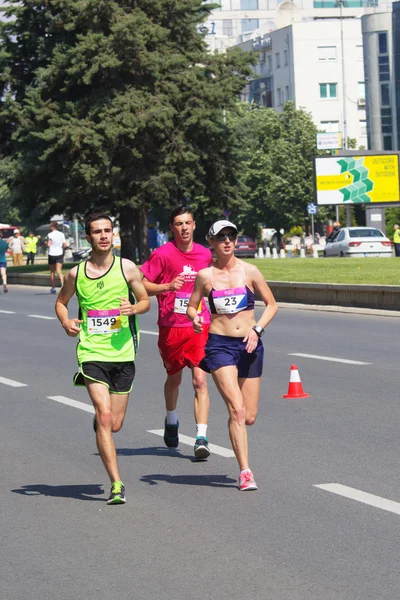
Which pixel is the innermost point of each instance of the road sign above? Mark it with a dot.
(329, 141)
(312, 209)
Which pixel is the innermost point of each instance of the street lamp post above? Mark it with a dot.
(344, 108)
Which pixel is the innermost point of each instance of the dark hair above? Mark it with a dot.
(95, 216)
(180, 210)
(54, 224)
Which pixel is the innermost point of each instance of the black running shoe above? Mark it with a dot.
(117, 495)
(171, 438)
(201, 449)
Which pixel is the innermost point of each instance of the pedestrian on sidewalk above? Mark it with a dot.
(17, 246)
(3, 262)
(396, 240)
(31, 247)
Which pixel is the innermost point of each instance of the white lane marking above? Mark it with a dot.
(12, 383)
(360, 496)
(7, 312)
(339, 360)
(42, 317)
(148, 332)
(75, 403)
(185, 439)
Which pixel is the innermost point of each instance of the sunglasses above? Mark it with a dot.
(221, 237)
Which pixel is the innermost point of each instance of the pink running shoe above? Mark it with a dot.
(246, 482)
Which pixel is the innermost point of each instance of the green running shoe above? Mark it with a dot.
(117, 495)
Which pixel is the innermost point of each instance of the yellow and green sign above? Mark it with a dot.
(357, 179)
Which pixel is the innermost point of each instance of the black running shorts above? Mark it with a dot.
(56, 259)
(117, 376)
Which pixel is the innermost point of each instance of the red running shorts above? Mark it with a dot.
(181, 347)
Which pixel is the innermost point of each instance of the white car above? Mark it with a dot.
(359, 241)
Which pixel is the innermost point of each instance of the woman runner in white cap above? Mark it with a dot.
(234, 351)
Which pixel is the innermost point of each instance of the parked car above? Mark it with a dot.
(245, 247)
(359, 241)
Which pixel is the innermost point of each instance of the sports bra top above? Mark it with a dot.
(231, 300)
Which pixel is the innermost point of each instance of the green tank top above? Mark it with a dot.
(105, 335)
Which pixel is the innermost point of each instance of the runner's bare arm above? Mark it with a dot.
(263, 289)
(65, 295)
(195, 299)
(153, 289)
(134, 280)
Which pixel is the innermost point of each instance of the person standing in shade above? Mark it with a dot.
(31, 247)
(396, 240)
(169, 274)
(3, 262)
(110, 295)
(17, 247)
(234, 351)
(56, 244)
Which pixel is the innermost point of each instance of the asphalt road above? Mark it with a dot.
(186, 532)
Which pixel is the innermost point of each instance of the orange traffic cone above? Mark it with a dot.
(295, 389)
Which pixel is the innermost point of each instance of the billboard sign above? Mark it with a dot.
(329, 141)
(372, 178)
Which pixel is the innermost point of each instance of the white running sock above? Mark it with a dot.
(201, 430)
(172, 417)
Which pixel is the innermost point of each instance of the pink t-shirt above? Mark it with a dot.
(166, 263)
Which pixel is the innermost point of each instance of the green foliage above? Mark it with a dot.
(296, 230)
(277, 165)
(116, 104)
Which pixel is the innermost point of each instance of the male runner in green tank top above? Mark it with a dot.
(110, 295)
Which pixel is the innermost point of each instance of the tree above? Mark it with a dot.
(116, 104)
(278, 151)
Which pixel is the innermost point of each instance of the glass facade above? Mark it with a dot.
(384, 76)
(396, 64)
(249, 4)
(346, 3)
(249, 25)
(260, 92)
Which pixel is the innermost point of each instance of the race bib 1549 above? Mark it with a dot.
(103, 321)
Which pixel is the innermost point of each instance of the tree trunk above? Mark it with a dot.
(127, 216)
(141, 232)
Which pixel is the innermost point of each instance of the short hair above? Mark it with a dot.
(54, 224)
(96, 216)
(180, 210)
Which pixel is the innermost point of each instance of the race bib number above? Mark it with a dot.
(230, 301)
(182, 302)
(101, 322)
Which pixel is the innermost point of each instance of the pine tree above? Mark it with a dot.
(115, 104)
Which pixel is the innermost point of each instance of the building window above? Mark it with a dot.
(387, 142)
(270, 62)
(285, 58)
(227, 27)
(384, 69)
(249, 25)
(330, 126)
(382, 43)
(327, 90)
(278, 60)
(249, 4)
(326, 52)
(286, 93)
(363, 128)
(385, 94)
(278, 93)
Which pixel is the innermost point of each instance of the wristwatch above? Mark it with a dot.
(259, 330)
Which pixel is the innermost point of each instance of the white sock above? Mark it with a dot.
(201, 430)
(172, 417)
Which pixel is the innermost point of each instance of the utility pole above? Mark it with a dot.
(344, 109)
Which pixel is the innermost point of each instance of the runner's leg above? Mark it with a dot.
(119, 404)
(251, 393)
(226, 381)
(101, 400)
(171, 390)
(201, 397)
(59, 273)
(4, 275)
(52, 276)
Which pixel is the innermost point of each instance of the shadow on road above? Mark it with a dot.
(79, 492)
(206, 480)
(154, 451)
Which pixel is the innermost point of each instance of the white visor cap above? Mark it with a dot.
(218, 226)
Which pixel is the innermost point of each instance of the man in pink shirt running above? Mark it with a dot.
(169, 274)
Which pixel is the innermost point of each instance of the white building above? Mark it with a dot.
(235, 20)
(303, 63)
